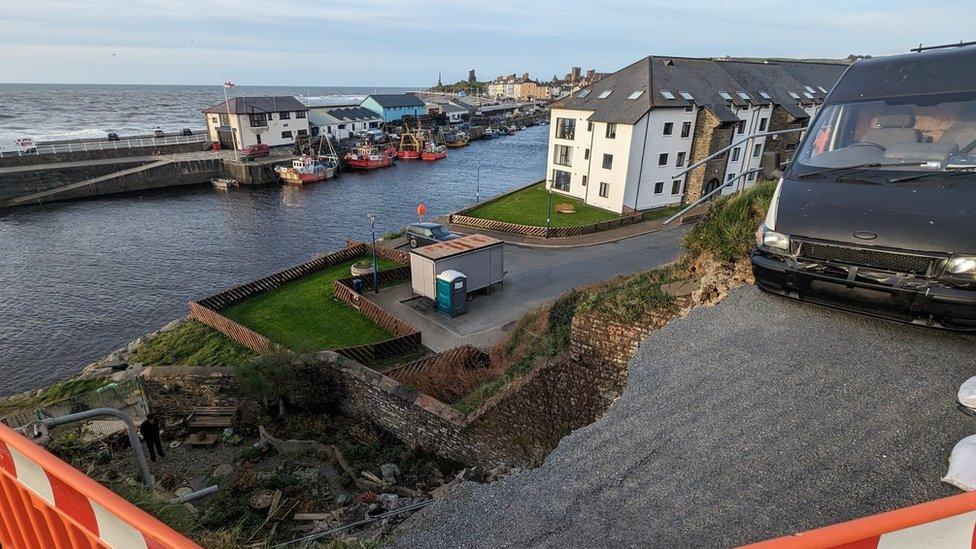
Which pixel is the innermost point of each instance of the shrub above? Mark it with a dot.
(726, 230)
(448, 382)
(266, 378)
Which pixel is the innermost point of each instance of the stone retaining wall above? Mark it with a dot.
(95, 154)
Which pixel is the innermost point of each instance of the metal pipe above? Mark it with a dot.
(691, 206)
(203, 492)
(147, 477)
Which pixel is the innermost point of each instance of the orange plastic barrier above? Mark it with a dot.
(947, 523)
(44, 502)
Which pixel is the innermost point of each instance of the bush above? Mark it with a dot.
(726, 231)
(448, 382)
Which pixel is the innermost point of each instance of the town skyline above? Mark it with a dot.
(382, 43)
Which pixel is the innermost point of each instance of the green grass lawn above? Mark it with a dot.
(193, 343)
(528, 207)
(303, 316)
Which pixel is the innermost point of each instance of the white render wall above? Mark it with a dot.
(747, 161)
(615, 177)
(648, 144)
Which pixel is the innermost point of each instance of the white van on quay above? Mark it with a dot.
(18, 146)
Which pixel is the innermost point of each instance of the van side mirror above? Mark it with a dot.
(770, 166)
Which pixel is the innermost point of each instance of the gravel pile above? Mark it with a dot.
(755, 418)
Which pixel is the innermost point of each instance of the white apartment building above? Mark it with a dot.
(243, 121)
(619, 143)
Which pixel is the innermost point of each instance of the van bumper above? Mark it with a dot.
(925, 302)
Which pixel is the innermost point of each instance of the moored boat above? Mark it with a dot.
(512, 130)
(367, 156)
(223, 183)
(307, 169)
(411, 144)
(457, 139)
(434, 152)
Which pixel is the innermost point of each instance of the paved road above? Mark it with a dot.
(752, 419)
(534, 277)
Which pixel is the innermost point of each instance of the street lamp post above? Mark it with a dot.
(477, 184)
(376, 276)
(548, 207)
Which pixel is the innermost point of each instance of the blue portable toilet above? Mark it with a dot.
(452, 293)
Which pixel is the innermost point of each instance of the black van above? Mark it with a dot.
(876, 213)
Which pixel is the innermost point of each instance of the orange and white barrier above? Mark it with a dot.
(46, 503)
(947, 523)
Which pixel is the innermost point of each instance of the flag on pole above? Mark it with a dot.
(228, 84)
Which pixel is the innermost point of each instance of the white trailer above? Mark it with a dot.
(481, 258)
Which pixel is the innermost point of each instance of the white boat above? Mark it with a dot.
(223, 183)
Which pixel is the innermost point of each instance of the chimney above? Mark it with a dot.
(525, 76)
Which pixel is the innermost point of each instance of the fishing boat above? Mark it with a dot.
(312, 166)
(456, 140)
(434, 152)
(489, 134)
(511, 130)
(367, 156)
(411, 144)
(307, 169)
(223, 183)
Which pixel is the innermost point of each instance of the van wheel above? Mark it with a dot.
(413, 242)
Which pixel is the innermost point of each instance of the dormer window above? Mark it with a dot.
(667, 95)
(604, 94)
(808, 96)
(686, 96)
(809, 89)
(636, 94)
(583, 94)
(765, 96)
(794, 95)
(745, 96)
(822, 90)
(725, 96)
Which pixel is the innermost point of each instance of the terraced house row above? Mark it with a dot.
(618, 143)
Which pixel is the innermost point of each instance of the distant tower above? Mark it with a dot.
(439, 84)
(471, 77)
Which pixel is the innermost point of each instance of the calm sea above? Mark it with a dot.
(79, 279)
(75, 111)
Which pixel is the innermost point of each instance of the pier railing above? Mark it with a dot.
(106, 145)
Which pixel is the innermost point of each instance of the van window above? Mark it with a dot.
(918, 133)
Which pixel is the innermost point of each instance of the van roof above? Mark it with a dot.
(950, 70)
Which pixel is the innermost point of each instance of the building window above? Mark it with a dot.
(604, 189)
(752, 176)
(589, 126)
(668, 128)
(762, 124)
(258, 120)
(729, 178)
(676, 186)
(315, 131)
(690, 108)
(607, 161)
(586, 154)
(286, 135)
(757, 150)
(659, 187)
(735, 154)
(329, 129)
(562, 155)
(741, 127)
(302, 132)
(611, 130)
(300, 114)
(342, 126)
(584, 180)
(685, 129)
(560, 180)
(681, 160)
(284, 115)
(373, 125)
(662, 160)
(565, 128)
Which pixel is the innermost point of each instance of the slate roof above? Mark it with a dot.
(352, 114)
(393, 100)
(258, 104)
(703, 79)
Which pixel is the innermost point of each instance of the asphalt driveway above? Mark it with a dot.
(756, 418)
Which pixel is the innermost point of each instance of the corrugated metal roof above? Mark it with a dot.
(392, 100)
(457, 246)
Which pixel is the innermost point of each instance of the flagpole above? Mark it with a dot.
(233, 139)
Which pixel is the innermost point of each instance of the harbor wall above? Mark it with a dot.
(22, 182)
(82, 155)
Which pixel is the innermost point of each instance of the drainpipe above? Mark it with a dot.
(38, 430)
(640, 172)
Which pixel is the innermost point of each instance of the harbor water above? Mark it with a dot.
(80, 279)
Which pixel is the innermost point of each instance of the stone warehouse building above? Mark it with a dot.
(618, 143)
(273, 121)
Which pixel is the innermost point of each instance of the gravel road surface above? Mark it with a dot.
(756, 418)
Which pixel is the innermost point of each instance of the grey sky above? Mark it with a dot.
(405, 43)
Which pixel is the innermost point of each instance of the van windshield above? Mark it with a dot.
(931, 132)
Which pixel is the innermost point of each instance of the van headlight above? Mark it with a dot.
(772, 241)
(961, 265)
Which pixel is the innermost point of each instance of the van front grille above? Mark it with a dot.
(866, 257)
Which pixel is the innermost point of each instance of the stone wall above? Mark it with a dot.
(21, 182)
(710, 135)
(121, 153)
(784, 144)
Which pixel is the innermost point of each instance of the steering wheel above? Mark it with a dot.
(867, 144)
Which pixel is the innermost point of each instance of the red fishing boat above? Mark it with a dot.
(411, 144)
(367, 156)
(434, 152)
